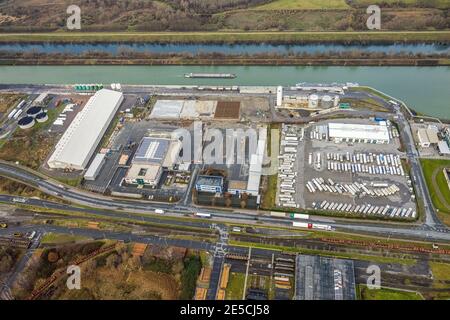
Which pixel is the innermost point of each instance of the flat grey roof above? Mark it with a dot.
(322, 278)
(151, 150)
(210, 180)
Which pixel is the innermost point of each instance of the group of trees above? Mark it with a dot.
(213, 6)
(193, 15)
(8, 257)
(396, 3)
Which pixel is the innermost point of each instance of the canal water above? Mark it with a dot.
(114, 48)
(425, 89)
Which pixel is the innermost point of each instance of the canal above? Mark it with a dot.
(425, 89)
(115, 48)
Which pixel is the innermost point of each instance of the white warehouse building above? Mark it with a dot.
(83, 135)
(351, 132)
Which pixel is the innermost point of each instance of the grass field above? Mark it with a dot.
(235, 286)
(387, 294)
(437, 186)
(441, 274)
(228, 37)
(269, 196)
(304, 5)
(58, 238)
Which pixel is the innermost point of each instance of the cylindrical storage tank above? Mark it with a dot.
(279, 96)
(42, 117)
(34, 111)
(327, 102)
(336, 100)
(313, 101)
(26, 122)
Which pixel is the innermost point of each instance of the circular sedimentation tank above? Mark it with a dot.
(26, 122)
(42, 117)
(34, 111)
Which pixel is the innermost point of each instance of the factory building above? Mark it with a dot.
(211, 184)
(446, 134)
(151, 158)
(256, 162)
(311, 101)
(351, 132)
(95, 167)
(40, 99)
(83, 135)
(443, 148)
(318, 87)
(144, 174)
(427, 137)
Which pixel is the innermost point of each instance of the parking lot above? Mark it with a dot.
(350, 178)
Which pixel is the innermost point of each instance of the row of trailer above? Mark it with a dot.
(394, 133)
(287, 174)
(319, 133)
(366, 209)
(279, 214)
(380, 159)
(17, 111)
(307, 225)
(315, 160)
(364, 168)
(354, 189)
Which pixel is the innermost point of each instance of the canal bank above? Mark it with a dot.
(424, 89)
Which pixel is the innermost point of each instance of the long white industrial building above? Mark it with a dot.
(82, 137)
(359, 132)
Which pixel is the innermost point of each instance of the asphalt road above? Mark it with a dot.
(386, 230)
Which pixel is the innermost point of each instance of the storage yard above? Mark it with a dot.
(343, 173)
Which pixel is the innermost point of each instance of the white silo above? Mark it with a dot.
(313, 101)
(327, 102)
(336, 100)
(279, 96)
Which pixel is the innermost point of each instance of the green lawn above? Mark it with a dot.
(269, 197)
(441, 274)
(304, 5)
(235, 286)
(57, 238)
(387, 294)
(429, 166)
(228, 37)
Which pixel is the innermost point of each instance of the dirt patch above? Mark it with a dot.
(228, 110)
